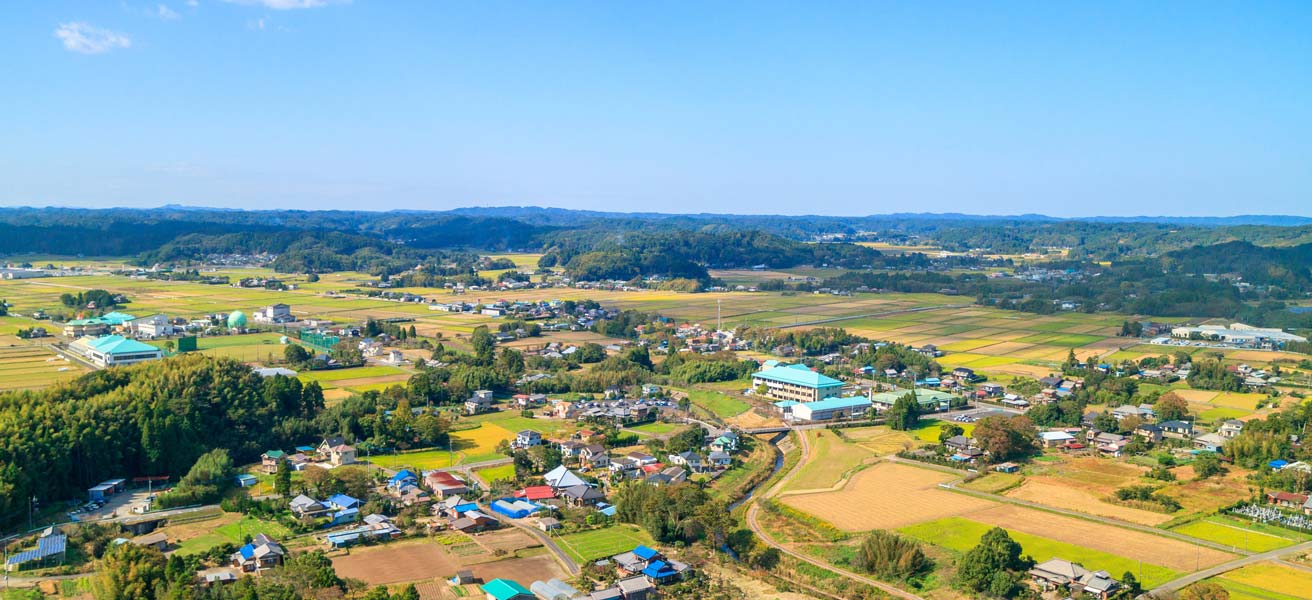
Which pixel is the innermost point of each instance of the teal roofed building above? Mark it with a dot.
(505, 589)
(796, 382)
(96, 325)
(113, 350)
(831, 409)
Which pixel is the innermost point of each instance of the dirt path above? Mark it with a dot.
(753, 512)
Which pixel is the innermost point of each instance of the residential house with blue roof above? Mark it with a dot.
(261, 553)
(796, 382)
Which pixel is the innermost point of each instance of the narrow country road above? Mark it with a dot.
(550, 544)
(753, 512)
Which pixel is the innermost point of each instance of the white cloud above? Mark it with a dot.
(257, 24)
(285, 4)
(88, 39)
(193, 3)
(166, 13)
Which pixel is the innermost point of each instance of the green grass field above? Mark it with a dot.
(658, 428)
(928, 429)
(721, 405)
(233, 533)
(960, 535)
(352, 373)
(491, 474)
(587, 546)
(836, 458)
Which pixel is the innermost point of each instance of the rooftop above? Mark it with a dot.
(798, 375)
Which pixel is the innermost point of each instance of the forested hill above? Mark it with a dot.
(610, 245)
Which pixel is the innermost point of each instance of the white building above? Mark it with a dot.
(274, 313)
(153, 326)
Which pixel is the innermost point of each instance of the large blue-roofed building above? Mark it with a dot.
(796, 382)
(831, 408)
(114, 350)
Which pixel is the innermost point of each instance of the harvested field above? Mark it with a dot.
(1272, 577)
(534, 568)
(1060, 496)
(396, 563)
(1170, 553)
(510, 540)
(881, 440)
(887, 496)
(1197, 396)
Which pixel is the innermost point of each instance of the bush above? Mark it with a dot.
(890, 556)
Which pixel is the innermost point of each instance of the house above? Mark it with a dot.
(668, 476)
(582, 495)
(662, 572)
(270, 460)
(536, 493)
(114, 350)
(726, 440)
(642, 458)
(548, 524)
(261, 553)
(1286, 499)
(445, 484)
(341, 454)
(1231, 429)
(636, 588)
(796, 382)
(1055, 439)
(403, 478)
(505, 589)
(1110, 444)
(719, 459)
(560, 478)
(594, 455)
(527, 439)
(326, 445)
(1006, 467)
(343, 502)
(689, 459)
(928, 400)
(473, 521)
(305, 506)
(958, 442)
(1130, 410)
(1058, 574)
(157, 540)
(1179, 430)
(1210, 442)
(1150, 432)
(481, 402)
(992, 389)
(964, 373)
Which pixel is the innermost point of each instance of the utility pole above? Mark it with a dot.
(719, 324)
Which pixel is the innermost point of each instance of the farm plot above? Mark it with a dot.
(33, 367)
(1268, 578)
(1062, 496)
(1136, 545)
(1227, 531)
(960, 534)
(468, 446)
(587, 546)
(395, 563)
(836, 459)
(880, 440)
(887, 496)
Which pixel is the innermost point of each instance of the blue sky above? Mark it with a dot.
(1062, 108)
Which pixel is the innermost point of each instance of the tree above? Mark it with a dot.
(128, 572)
(378, 593)
(282, 480)
(890, 556)
(947, 431)
(1006, 438)
(407, 593)
(295, 354)
(993, 566)
(1204, 590)
(1207, 464)
(1171, 407)
(904, 415)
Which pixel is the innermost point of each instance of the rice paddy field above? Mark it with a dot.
(1238, 534)
(25, 366)
(841, 458)
(467, 446)
(1267, 581)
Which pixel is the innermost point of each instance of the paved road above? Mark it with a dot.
(1230, 566)
(753, 513)
(550, 544)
